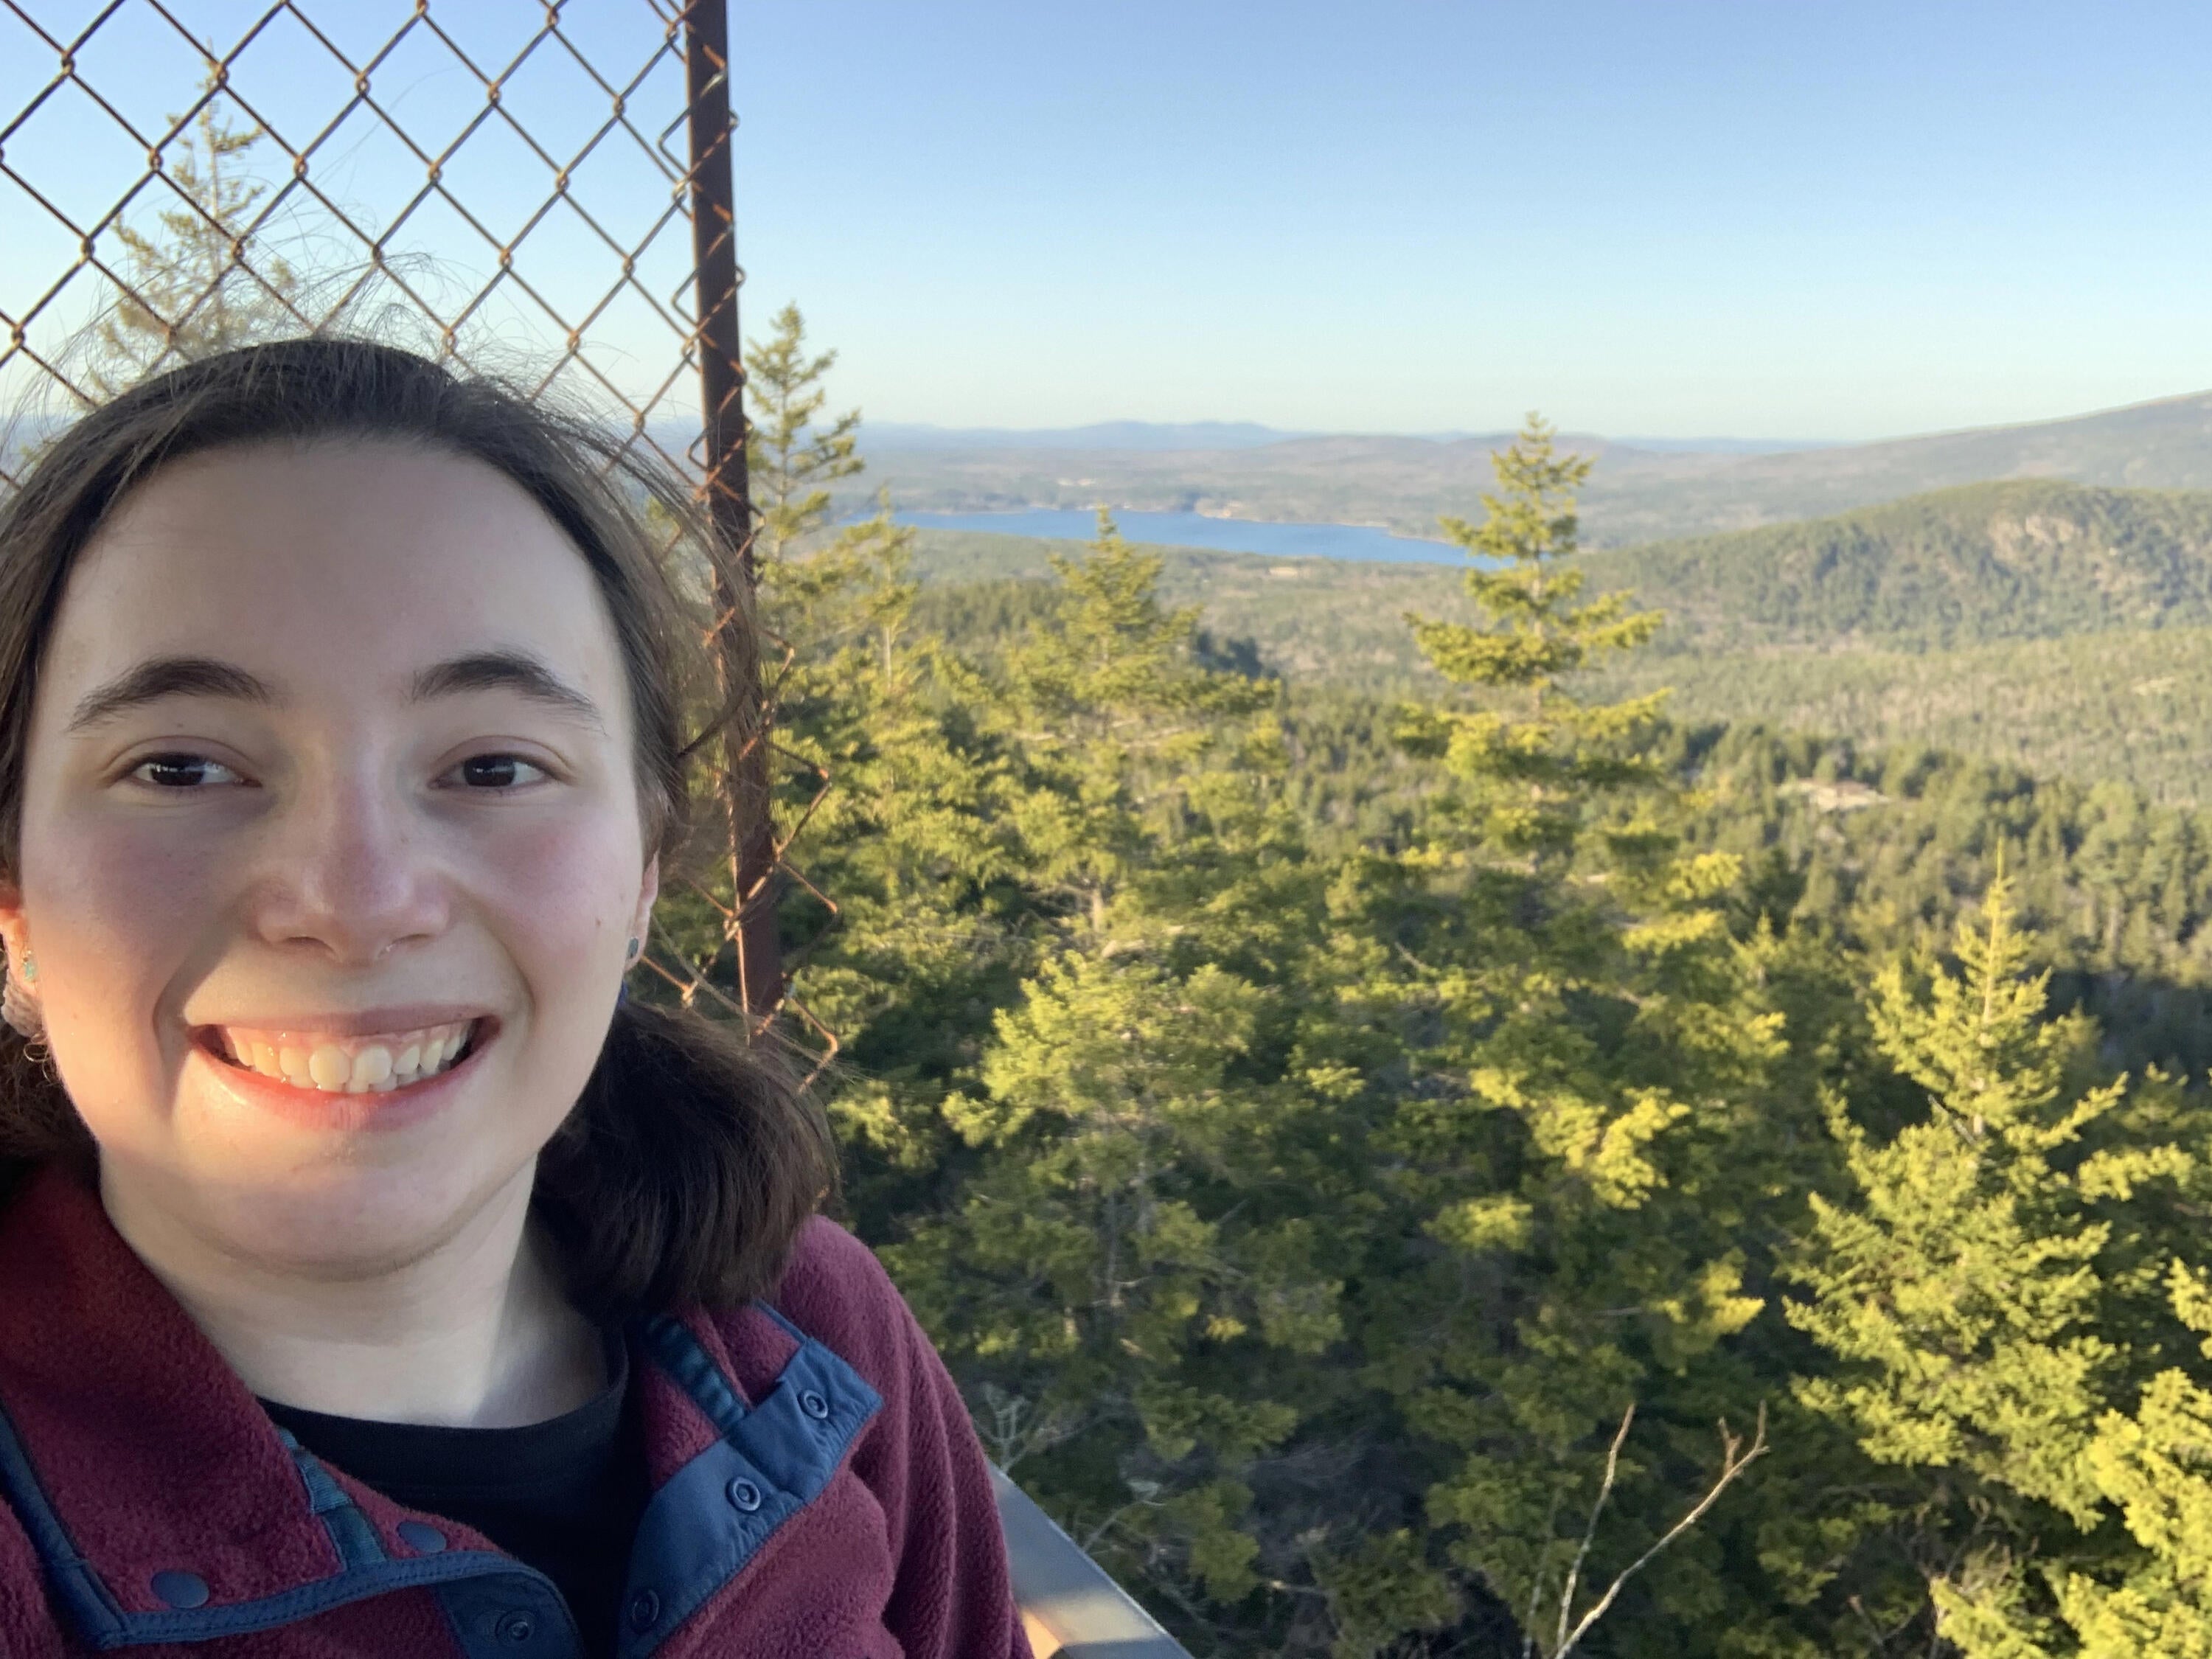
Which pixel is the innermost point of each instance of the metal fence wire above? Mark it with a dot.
(547, 185)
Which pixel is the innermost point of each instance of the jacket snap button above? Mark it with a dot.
(813, 1405)
(644, 1610)
(746, 1495)
(422, 1538)
(517, 1628)
(181, 1589)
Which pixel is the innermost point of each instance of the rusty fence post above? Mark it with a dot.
(745, 785)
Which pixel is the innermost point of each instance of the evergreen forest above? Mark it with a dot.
(1643, 1104)
(1477, 1161)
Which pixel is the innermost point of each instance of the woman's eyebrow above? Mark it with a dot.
(510, 671)
(210, 677)
(169, 676)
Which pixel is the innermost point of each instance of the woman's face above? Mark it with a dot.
(331, 848)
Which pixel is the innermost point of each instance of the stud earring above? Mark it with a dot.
(633, 950)
(18, 1007)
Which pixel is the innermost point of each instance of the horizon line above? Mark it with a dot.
(1714, 440)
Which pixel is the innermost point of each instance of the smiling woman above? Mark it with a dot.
(376, 1277)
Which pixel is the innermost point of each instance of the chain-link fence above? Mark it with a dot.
(541, 192)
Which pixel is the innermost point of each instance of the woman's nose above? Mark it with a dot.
(349, 867)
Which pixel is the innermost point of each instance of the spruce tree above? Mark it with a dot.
(1583, 1125)
(1118, 723)
(914, 918)
(1131, 1279)
(1531, 755)
(2009, 1292)
(793, 457)
(197, 285)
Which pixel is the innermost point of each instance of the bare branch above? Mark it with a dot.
(1735, 1458)
(1597, 1509)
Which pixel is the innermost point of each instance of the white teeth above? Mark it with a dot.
(371, 1067)
(350, 1066)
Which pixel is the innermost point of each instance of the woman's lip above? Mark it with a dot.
(319, 1108)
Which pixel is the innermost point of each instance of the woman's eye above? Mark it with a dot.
(183, 772)
(499, 771)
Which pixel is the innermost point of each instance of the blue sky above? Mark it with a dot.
(1777, 220)
(1786, 219)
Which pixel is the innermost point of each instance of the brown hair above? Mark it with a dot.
(690, 1159)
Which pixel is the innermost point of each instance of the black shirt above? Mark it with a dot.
(563, 1495)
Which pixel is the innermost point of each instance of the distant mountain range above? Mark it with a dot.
(886, 435)
(1636, 494)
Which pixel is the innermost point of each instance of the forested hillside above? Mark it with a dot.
(2132, 708)
(2076, 622)
(1991, 562)
(1493, 1170)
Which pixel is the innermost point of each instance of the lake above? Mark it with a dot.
(1308, 541)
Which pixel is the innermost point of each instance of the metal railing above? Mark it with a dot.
(489, 177)
(1069, 1605)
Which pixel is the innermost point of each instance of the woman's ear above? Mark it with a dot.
(648, 892)
(11, 920)
(18, 1003)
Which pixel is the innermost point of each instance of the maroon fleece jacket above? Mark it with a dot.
(817, 1489)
